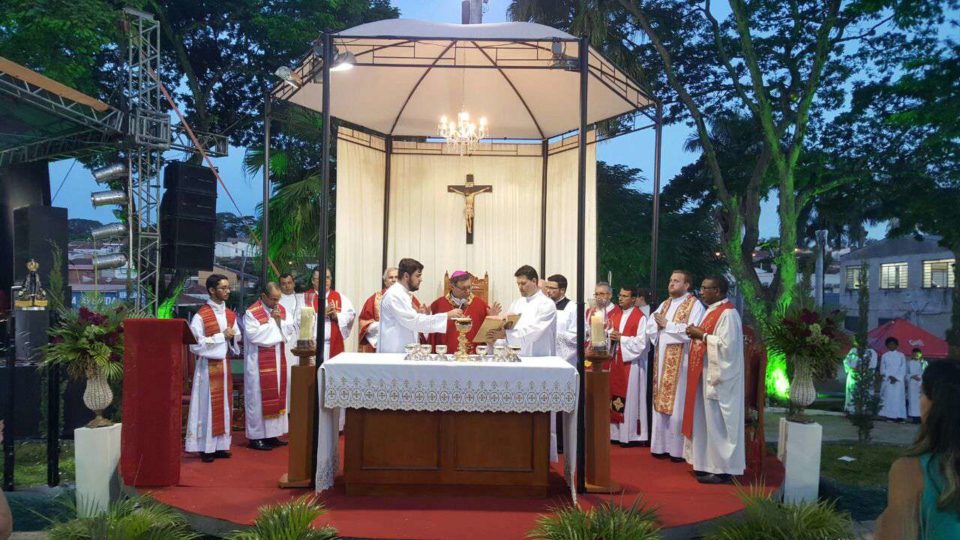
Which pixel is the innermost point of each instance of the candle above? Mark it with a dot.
(307, 323)
(598, 336)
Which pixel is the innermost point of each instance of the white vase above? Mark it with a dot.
(97, 397)
(802, 391)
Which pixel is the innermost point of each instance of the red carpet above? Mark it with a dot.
(233, 489)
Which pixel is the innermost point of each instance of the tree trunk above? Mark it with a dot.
(953, 333)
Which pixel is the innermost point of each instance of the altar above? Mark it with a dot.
(431, 427)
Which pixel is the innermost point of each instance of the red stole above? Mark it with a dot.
(476, 309)
(216, 368)
(336, 338)
(619, 371)
(273, 400)
(698, 350)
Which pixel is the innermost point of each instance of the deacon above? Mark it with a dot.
(713, 414)
(291, 302)
(555, 288)
(370, 314)
(266, 330)
(628, 372)
(400, 322)
(461, 297)
(536, 330)
(850, 363)
(215, 328)
(893, 393)
(667, 330)
(338, 314)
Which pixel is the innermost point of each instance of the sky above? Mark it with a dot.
(72, 184)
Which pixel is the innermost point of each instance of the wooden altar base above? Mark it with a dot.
(221, 496)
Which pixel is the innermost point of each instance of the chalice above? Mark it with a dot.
(442, 352)
(464, 325)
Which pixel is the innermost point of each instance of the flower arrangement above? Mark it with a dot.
(809, 336)
(89, 340)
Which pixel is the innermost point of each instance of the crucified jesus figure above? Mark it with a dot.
(469, 191)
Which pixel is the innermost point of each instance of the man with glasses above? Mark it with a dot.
(714, 411)
(667, 329)
(215, 328)
(602, 296)
(461, 297)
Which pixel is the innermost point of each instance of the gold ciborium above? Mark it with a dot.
(464, 325)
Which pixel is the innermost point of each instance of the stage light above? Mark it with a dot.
(112, 230)
(103, 198)
(288, 76)
(110, 172)
(343, 61)
(560, 59)
(106, 262)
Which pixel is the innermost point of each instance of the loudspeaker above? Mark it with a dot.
(183, 177)
(22, 184)
(36, 229)
(188, 218)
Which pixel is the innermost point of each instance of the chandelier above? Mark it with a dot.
(463, 134)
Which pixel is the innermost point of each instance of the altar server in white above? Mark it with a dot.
(266, 331)
(667, 329)
(713, 416)
(915, 368)
(215, 328)
(893, 391)
(555, 288)
(850, 363)
(400, 322)
(628, 372)
(536, 330)
(291, 302)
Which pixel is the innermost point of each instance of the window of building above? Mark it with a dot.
(938, 274)
(851, 278)
(893, 276)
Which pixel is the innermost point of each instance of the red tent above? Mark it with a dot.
(910, 336)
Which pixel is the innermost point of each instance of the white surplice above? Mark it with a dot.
(634, 351)
(718, 444)
(914, 369)
(893, 395)
(567, 333)
(400, 324)
(257, 335)
(666, 436)
(291, 303)
(850, 363)
(199, 421)
(536, 331)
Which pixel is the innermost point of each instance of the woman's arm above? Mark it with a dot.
(899, 519)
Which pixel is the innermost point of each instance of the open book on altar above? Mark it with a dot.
(494, 323)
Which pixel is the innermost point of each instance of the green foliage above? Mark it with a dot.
(55, 289)
(808, 336)
(30, 465)
(166, 307)
(767, 519)
(865, 395)
(608, 521)
(89, 339)
(871, 468)
(128, 518)
(289, 521)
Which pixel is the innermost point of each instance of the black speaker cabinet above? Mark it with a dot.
(193, 178)
(36, 229)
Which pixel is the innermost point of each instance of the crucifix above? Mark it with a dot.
(469, 191)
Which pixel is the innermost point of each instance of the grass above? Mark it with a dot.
(871, 467)
(30, 465)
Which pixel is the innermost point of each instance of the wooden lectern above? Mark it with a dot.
(303, 419)
(597, 474)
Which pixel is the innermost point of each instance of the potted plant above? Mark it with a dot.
(810, 341)
(88, 344)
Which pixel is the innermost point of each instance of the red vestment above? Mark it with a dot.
(698, 351)
(476, 309)
(333, 297)
(619, 371)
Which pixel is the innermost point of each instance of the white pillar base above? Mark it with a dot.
(97, 455)
(799, 449)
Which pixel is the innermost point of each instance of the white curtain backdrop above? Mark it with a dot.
(427, 223)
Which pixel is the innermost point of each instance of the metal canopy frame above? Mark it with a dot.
(315, 66)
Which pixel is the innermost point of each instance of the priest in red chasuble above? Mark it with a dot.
(628, 372)
(461, 296)
(338, 314)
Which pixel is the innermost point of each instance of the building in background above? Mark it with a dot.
(909, 279)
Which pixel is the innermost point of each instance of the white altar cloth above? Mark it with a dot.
(388, 382)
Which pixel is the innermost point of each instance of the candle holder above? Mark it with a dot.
(305, 350)
(599, 341)
(464, 325)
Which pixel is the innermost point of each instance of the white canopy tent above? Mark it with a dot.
(533, 83)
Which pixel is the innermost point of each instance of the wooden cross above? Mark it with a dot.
(469, 191)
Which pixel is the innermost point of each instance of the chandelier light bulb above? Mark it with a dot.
(462, 134)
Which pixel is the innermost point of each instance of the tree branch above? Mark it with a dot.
(725, 59)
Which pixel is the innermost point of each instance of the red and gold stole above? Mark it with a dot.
(273, 399)
(619, 371)
(698, 350)
(336, 338)
(665, 383)
(216, 368)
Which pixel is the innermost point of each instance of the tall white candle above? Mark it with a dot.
(598, 336)
(307, 322)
